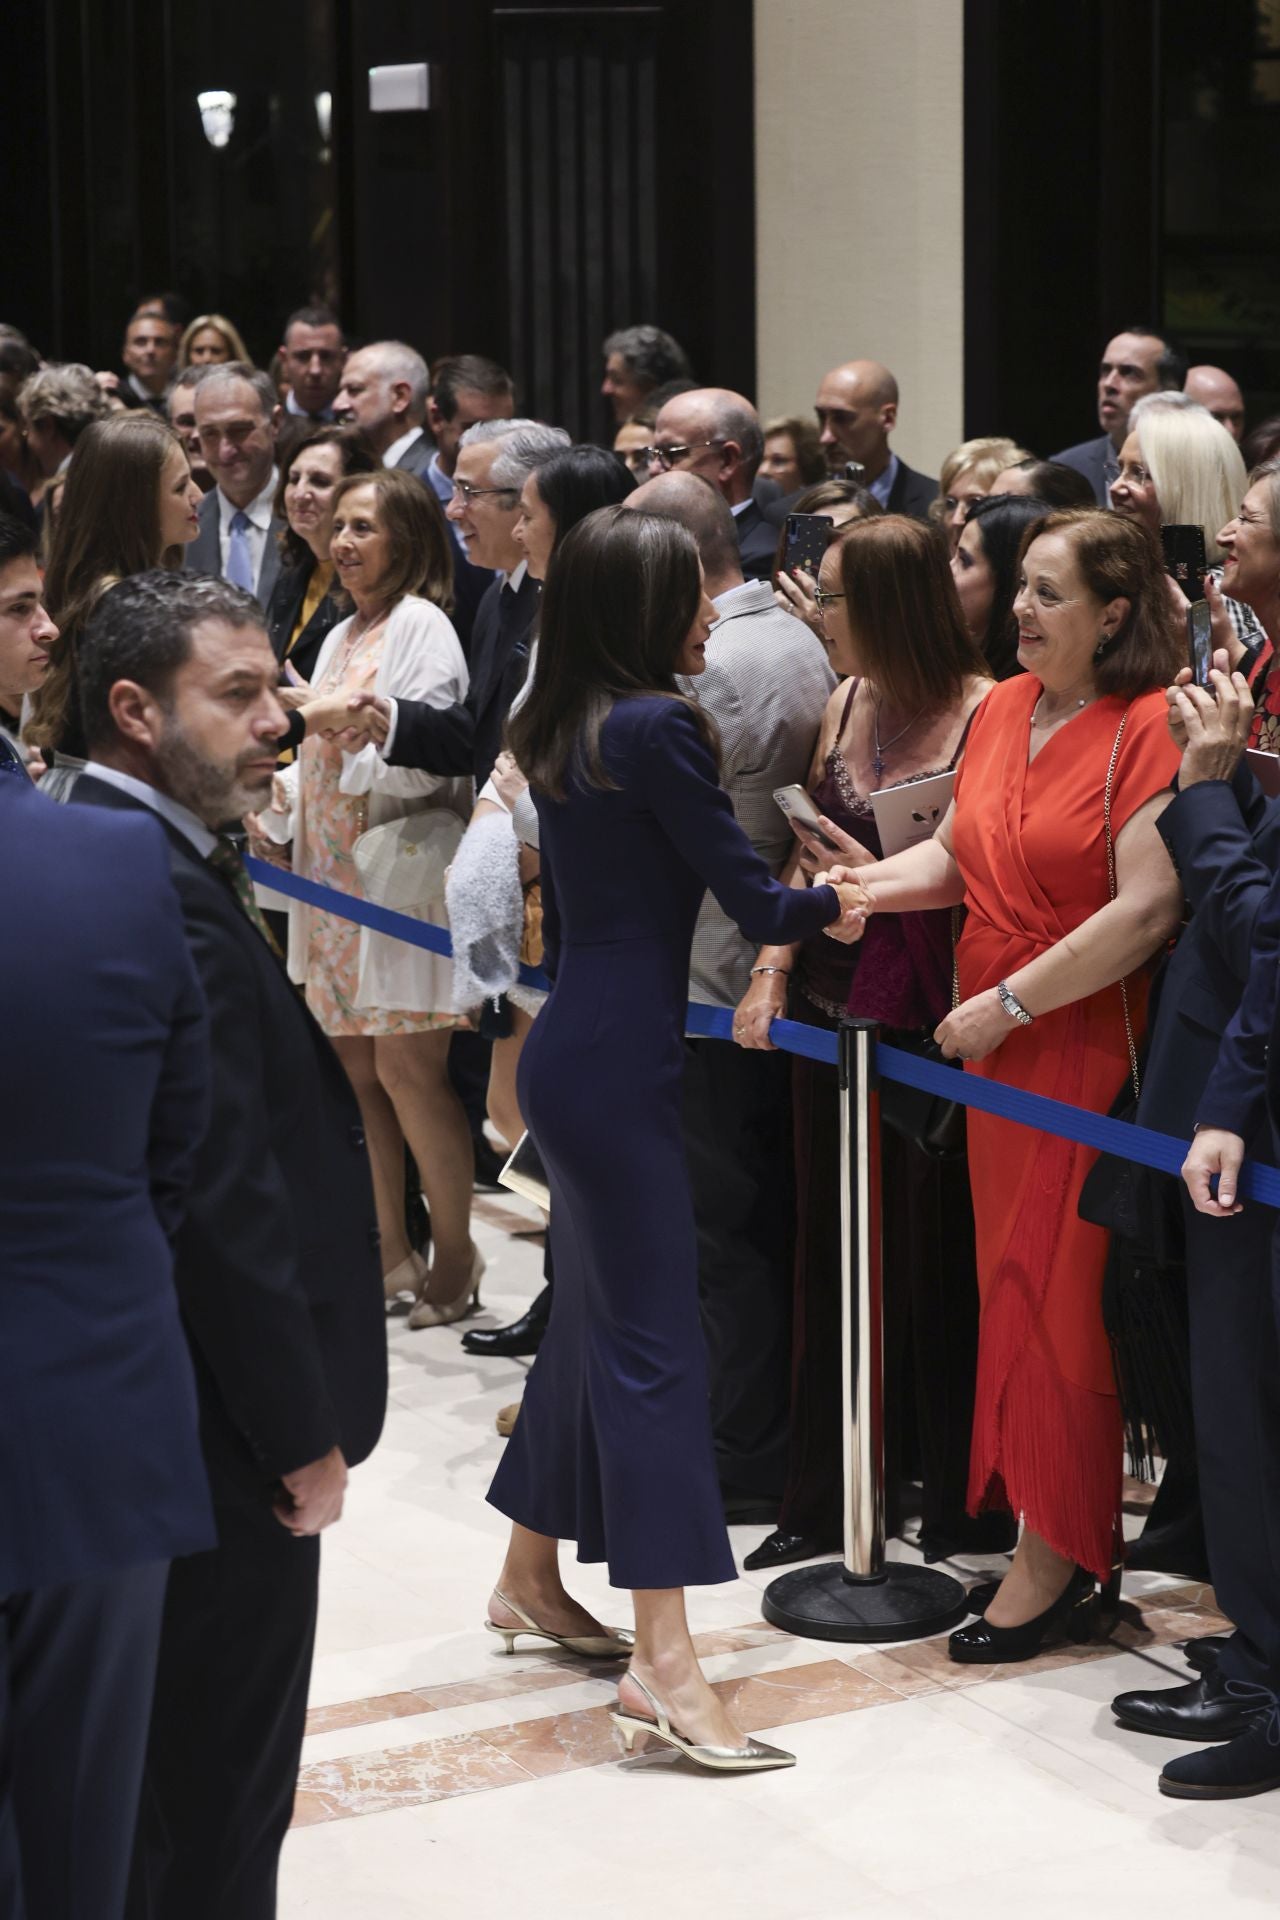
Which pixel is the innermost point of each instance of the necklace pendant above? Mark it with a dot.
(877, 767)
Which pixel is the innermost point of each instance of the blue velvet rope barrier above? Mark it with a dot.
(1143, 1145)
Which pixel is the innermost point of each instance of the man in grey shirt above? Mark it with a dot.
(766, 684)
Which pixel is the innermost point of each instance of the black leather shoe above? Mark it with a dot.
(523, 1336)
(1203, 1654)
(782, 1549)
(1071, 1616)
(1203, 1710)
(1248, 1764)
(979, 1598)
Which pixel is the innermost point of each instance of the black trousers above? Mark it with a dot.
(1233, 1285)
(737, 1128)
(227, 1726)
(77, 1665)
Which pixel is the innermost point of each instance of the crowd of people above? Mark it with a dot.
(354, 614)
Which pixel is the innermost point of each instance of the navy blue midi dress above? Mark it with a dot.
(613, 1447)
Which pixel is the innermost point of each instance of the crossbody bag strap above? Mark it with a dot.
(1112, 890)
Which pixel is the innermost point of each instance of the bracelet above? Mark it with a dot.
(1012, 1005)
(756, 970)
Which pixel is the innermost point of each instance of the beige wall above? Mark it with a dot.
(859, 205)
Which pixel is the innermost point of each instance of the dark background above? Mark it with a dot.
(583, 166)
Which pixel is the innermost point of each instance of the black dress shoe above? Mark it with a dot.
(1203, 1710)
(781, 1549)
(1070, 1615)
(523, 1336)
(1203, 1654)
(1248, 1764)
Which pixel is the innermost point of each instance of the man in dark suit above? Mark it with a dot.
(102, 1484)
(384, 393)
(277, 1269)
(715, 433)
(150, 355)
(27, 635)
(1135, 362)
(237, 420)
(1226, 844)
(857, 409)
(495, 459)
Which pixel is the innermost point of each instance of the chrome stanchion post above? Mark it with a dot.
(867, 1597)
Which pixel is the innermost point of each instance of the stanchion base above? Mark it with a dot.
(823, 1603)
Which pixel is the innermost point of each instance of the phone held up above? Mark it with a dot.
(808, 537)
(797, 806)
(1185, 562)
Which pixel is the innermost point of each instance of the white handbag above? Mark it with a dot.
(402, 864)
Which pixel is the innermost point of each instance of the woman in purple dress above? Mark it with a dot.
(613, 1447)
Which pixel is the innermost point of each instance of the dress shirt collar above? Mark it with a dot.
(398, 448)
(882, 487)
(515, 579)
(741, 506)
(259, 510)
(753, 596)
(440, 480)
(169, 809)
(144, 394)
(325, 417)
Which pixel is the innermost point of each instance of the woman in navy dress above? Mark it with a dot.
(613, 1448)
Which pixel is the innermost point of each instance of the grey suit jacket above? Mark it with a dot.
(204, 555)
(766, 685)
(417, 458)
(1090, 459)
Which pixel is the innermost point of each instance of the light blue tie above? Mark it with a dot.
(239, 567)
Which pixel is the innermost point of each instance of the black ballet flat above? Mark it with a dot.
(1071, 1614)
(784, 1549)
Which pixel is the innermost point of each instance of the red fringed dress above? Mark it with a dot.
(1047, 1435)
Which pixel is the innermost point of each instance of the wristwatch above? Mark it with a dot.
(1012, 1005)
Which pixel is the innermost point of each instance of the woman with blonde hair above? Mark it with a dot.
(968, 474)
(211, 341)
(1179, 467)
(129, 504)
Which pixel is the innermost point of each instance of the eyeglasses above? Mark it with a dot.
(822, 599)
(470, 493)
(1133, 473)
(666, 457)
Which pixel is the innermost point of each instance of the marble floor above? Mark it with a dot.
(440, 1777)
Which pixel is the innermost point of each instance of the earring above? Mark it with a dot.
(1101, 648)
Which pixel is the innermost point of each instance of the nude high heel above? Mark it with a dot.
(754, 1757)
(615, 1645)
(427, 1314)
(409, 1277)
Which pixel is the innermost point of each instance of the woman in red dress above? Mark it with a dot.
(1052, 981)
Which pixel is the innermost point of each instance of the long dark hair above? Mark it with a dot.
(1001, 520)
(577, 480)
(619, 599)
(107, 528)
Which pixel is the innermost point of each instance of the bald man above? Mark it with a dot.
(1215, 389)
(715, 433)
(857, 409)
(766, 684)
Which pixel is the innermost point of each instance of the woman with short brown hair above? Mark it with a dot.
(1051, 843)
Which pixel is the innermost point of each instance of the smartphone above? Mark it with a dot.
(808, 537)
(1200, 641)
(797, 805)
(1184, 558)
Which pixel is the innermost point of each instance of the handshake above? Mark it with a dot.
(349, 718)
(856, 904)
